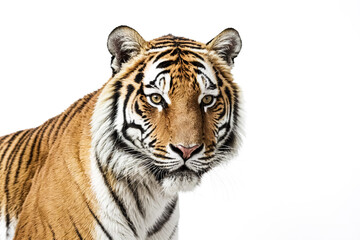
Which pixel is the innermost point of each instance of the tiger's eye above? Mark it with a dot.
(207, 99)
(156, 98)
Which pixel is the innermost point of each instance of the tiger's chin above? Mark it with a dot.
(180, 181)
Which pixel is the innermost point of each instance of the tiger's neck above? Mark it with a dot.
(132, 206)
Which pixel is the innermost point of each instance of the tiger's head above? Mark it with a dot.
(171, 109)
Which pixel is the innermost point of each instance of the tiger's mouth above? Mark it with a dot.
(179, 179)
(182, 179)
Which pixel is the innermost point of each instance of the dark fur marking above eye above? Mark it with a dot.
(211, 85)
(139, 77)
(198, 64)
(162, 54)
(149, 86)
(152, 83)
(165, 64)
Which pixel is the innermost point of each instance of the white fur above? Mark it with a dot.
(7, 233)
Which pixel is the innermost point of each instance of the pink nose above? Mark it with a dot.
(186, 151)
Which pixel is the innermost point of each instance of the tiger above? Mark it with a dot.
(112, 165)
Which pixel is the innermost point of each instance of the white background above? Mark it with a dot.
(297, 175)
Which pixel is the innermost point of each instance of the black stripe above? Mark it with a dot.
(164, 218)
(212, 85)
(198, 64)
(9, 163)
(52, 231)
(86, 99)
(153, 81)
(148, 190)
(229, 142)
(189, 42)
(140, 90)
(116, 199)
(210, 150)
(115, 98)
(165, 41)
(221, 115)
(162, 45)
(236, 108)
(76, 229)
(33, 148)
(160, 150)
(7, 217)
(8, 146)
(228, 94)
(219, 81)
(98, 222)
(206, 158)
(52, 128)
(134, 125)
(192, 53)
(111, 62)
(134, 191)
(15, 149)
(139, 77)
(162, 54)
(165, 64)
(43, 130)
(137, 109)
(173, 232)
(161, 156)
(190, 46)
(130, 89)
(149, 86)
(223, 126)
(62, 119)
(151, 144)
(176, 51)
(3, 138)
(22, 155)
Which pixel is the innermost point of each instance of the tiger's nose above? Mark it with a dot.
(186, 152)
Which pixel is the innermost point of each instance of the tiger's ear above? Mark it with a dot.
(227, 45)
(124, 43)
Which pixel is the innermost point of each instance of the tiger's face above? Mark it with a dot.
(175, 104)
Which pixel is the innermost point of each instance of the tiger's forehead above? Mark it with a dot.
(179, 65)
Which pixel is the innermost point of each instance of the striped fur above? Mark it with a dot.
(111, 166)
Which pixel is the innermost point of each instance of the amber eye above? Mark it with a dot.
(207, 100)
(156, 98)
